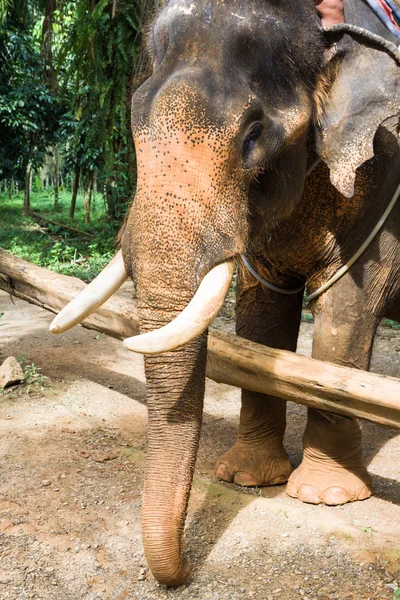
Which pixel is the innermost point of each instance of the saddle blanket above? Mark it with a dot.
(388, 12)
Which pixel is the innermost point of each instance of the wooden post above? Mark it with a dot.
(231, 359)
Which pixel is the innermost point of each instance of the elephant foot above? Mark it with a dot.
(328, 484)
(266, 464)
(332, 471)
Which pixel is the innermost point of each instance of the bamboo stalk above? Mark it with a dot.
(231, 359)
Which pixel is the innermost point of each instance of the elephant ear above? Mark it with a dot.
(362, 90)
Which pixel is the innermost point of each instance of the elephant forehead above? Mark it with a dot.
(182, 147)
(178, 7)
(207, 11)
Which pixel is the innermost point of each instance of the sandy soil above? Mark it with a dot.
(72, 452)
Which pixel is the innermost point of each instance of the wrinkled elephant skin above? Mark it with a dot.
(241, 98)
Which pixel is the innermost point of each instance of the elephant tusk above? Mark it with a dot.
(193, 320)
(92, 296)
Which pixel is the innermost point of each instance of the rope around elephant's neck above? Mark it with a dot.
(343, 269)
(360, 251)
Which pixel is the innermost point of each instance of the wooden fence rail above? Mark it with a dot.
(231, 359)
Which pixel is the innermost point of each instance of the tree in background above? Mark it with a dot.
(29, 112)
(80, 56)
(103, 47)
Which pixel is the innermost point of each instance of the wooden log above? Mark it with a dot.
(52, 292)
(311, 382)
(231, 359)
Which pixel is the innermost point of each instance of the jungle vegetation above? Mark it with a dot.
(67, 72)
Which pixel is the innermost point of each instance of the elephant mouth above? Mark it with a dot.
(189, 324)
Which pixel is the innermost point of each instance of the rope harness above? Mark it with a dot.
(339, 273)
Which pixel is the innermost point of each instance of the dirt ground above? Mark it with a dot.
(72, 452)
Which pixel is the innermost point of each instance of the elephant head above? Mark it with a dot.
(214, 112)
(227, 112)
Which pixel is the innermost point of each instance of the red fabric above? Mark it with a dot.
(389, 13)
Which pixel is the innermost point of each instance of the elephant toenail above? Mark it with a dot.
(245, 479)
(336, 495)
(365, 493)
(291, 489)
(279, 480)
(309, 494)
(222, 471)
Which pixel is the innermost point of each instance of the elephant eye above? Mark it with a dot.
(250, 139)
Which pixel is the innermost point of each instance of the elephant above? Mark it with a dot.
(244, 97)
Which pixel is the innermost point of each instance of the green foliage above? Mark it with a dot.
(61, 251)
(17, 13)
(391, 324)
(33, 378)
(66, 72)
(4, 4)
(98, 58)
(307, 317)
(28, 111)
(38, 184)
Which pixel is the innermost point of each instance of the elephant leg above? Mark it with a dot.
(332, 471)
(258, 457)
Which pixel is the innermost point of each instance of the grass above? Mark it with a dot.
(52, 247)
(33, 378)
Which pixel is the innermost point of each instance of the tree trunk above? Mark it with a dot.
(94, 192)
(27, 191)
(10, 189)
(110, 200)
(47, 44)
(74, 191)
(56, 177)
(88, 198)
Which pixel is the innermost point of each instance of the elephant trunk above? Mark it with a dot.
(179, 245)
(175, 390)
